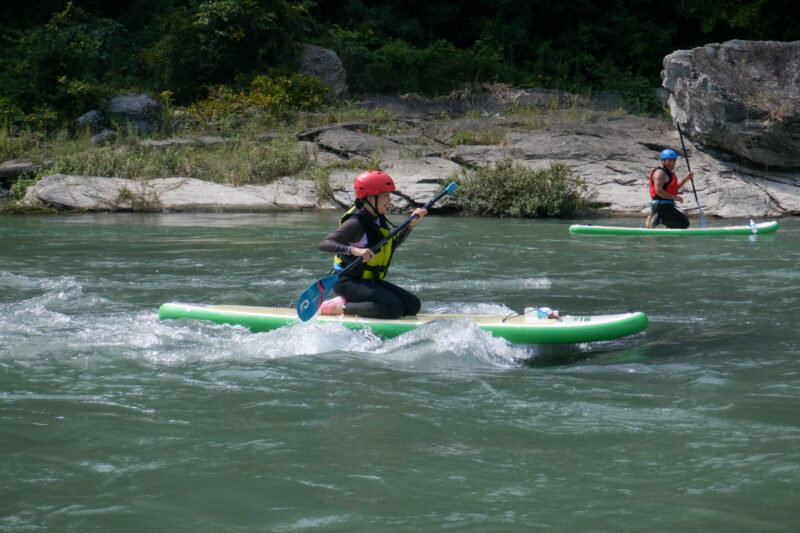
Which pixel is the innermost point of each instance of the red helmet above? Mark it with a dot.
(372, 182)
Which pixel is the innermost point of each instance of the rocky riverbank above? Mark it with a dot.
(428, 141)
(612, 151)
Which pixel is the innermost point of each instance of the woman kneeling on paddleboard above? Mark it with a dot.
(362, 290)
(664, 187)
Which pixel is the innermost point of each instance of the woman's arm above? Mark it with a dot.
(337, 242)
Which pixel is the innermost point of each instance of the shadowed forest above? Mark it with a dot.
(59, 59)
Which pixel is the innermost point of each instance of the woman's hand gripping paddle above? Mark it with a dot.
(311, 298)
(696, 199)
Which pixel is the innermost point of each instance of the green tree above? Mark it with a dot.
(722, 20)
(215, 42)
(61, 68)
(58, 59)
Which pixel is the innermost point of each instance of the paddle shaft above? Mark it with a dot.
(395, 231)
(689, 168)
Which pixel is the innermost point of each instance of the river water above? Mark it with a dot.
(111, 420)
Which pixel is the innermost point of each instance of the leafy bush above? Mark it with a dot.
(510, 189)
(175, 61)
(279, 94)
(269, 99)
(20, 187)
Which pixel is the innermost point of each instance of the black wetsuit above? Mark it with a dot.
(374, 298)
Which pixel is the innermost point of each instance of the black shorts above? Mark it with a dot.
(669, 215)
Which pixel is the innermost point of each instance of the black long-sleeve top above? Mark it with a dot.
(349, 234)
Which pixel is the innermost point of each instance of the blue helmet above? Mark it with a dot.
(668, 153)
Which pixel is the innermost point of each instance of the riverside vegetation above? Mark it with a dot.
(257, 145)
(58, 57)
(229, 68)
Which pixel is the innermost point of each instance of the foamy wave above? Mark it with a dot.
(485, 285)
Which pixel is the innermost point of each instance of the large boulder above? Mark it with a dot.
(92, 121)
(326, 65)
(15, 169)
(139, 110)
(739, 97)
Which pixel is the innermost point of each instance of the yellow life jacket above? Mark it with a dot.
(378, 266)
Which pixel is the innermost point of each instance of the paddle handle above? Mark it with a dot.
(447, 190)
(685, 155)
(689, 168)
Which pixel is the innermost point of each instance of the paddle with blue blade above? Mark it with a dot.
(696, 199)
(310, 299)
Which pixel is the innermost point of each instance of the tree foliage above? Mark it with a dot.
(219, 41)
(59, 58)
(59, 65)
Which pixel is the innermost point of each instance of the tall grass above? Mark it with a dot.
(17, 146)
(484, 136)
(233, 162)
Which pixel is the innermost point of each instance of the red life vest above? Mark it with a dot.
(671, 187)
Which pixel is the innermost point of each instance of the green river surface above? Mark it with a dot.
(111, 420)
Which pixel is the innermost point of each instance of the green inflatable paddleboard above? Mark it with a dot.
(750, 229)
(516, 328)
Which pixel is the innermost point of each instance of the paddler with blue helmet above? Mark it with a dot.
(363, 290)
(664, 187)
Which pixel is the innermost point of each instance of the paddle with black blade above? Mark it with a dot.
(310, 299)
(696, 199)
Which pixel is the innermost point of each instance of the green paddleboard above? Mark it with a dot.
(521, 329)
(589, 229)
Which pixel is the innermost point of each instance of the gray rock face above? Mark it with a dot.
(199, 140)
(612, 151)
(17, 168)
(137, 109)
(741, 98)
(326, 65)
(13, 170)
(417, 181)
(105, 135)
(357, 144)
(93, 121)
(496, 99)
(92, 193)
